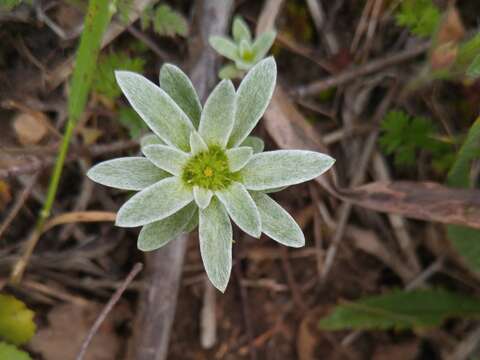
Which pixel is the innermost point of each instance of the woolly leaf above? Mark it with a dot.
(230, 71)
(262, 44)
(215, 233)
(159, 233)
(202, 196)
(283, 168)
(11, 352)
(157, 109)
(253, 97)
(154, 203)
(166, 158)
(224, 47)
(177, 84)
(128, 173)
(277, 223)
(401, 310)
(16, 321)
(241, 208)
(217, 118)
(255, 143)
(240, 30)
(239, 157)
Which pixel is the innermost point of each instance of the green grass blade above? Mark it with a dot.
(466, 240)
(97, 18)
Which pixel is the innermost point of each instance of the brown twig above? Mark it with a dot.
(106, 310)
(36, 164)
(18, 204)
(246, 311)
(348, 75)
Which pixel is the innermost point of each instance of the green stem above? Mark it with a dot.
(96, 21)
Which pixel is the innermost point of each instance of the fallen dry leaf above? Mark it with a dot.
(80, 216)
(68, 326)
(30, 127)
(419, 200)
(5, 194)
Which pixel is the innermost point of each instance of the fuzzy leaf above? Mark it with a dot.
(230, 71)
(255, 143)
(262, 44)
(215, 233)
(177, 84)
(240, 30)
(239, 157)
(283, 168)
(154, 203)
(166, 158)
(128, 173)
(241, 208)
(253, 97)
(158, 234)
(401, 310)
(202, 196)
(277, 223)
(224, 47)
(157, 109)
(196, 143)
(150, 139)
(16, 321)
(218, 115)
(193, 223)
(11, 352)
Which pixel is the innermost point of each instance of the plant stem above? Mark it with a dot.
(97, 19)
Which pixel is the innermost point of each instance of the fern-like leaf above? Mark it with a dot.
(421, 17)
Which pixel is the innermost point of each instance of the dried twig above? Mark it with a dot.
(348, 75)
(106, 310)
(18, 204)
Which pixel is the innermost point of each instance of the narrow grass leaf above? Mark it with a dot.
(128, 173)
(465, 239)
(401, 310)
(154, 203)
(215, 233)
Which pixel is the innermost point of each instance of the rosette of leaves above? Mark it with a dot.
(202, 169)
(242, 49)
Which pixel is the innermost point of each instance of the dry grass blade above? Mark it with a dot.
(80, 216)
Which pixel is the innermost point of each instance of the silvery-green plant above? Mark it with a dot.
(242, 50)
(201, 168)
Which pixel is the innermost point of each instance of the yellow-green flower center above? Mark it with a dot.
(209, 169)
